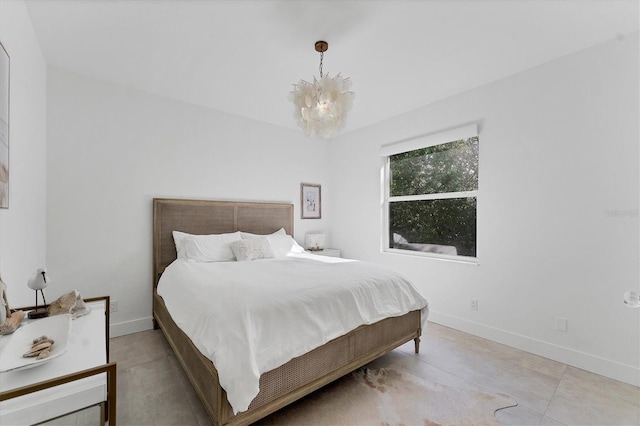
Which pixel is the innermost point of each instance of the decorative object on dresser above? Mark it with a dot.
(38, 282)
(310, 201)
(22, 348)
(314, 241)
(70, 303)
(9, 321)
(4, 128)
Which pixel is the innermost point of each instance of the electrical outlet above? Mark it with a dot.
(562, 324)
(473, 304)
(113, 306)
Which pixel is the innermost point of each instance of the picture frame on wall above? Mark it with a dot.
(310, 201)
(4, 127)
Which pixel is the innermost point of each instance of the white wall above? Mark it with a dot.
(22, 226)
(112, 149)
(558, 147)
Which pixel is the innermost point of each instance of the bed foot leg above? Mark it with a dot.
(417, 344)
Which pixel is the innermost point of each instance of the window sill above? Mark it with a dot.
(442, 257)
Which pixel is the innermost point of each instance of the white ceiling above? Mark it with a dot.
(242, 57)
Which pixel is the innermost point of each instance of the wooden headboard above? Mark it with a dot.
(211, 217)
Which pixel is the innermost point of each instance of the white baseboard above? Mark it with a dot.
(604, 367)
(129, 327)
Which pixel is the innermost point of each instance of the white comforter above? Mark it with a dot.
(251, 317)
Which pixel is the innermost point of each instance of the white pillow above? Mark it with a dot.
(282, 245)
(251, 249)
(205, 248)
(280, 231)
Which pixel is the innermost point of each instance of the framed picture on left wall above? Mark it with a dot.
(4, 128)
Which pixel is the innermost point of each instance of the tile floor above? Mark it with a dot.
(153, 390)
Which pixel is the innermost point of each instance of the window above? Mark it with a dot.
(431, 194)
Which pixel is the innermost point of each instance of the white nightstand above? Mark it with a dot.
(327, 252)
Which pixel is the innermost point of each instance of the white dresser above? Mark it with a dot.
(82, 377)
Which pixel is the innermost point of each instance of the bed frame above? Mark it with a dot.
(296, 378)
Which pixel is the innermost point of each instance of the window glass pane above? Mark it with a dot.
(446, 226)
(449, 167)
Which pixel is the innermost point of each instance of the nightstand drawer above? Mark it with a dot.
(327, 252)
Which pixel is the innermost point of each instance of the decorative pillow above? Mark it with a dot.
(205, 248)
(251, 249)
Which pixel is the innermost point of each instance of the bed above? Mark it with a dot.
(297, 377)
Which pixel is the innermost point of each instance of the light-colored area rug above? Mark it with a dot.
(392, 397)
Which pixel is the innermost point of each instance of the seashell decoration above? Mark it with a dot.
(40, 349)
(70, 303)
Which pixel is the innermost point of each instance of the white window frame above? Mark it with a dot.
(386, 151)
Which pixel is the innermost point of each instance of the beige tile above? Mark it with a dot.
(584, 398)
(612, 388)
(138, 348)
(418, 365)
(131, 399)
(548, 421)
(153, 393)
(153, 389)
(190, 395)
(528, 378)
(518, 416)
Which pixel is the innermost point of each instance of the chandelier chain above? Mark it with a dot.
(321, 57)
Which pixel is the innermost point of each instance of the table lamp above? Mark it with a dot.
(314, 241)
(38, 282)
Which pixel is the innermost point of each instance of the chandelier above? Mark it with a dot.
(321, 107)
